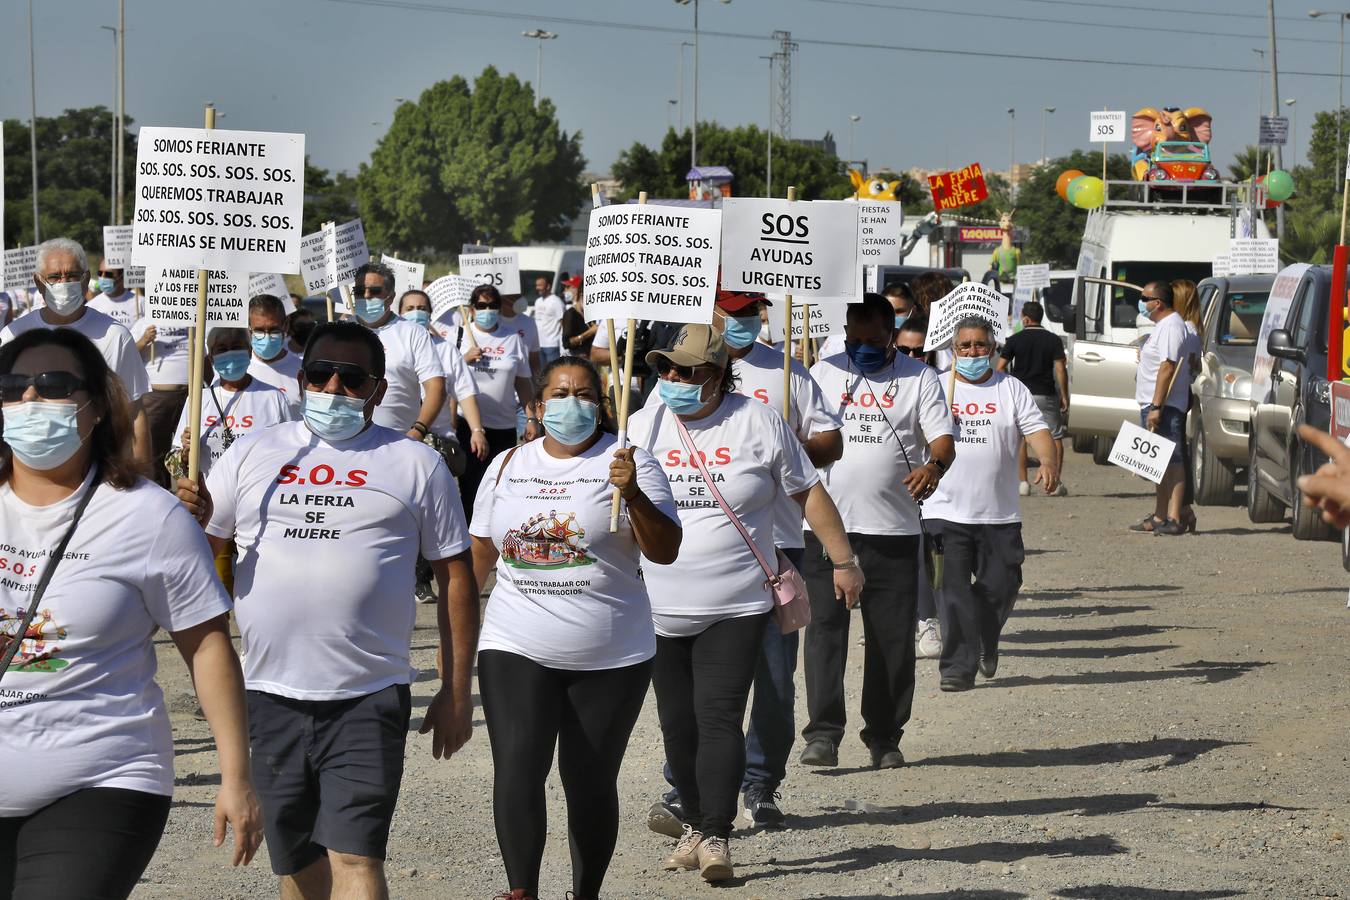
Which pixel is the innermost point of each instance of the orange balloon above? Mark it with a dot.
(1062, 183)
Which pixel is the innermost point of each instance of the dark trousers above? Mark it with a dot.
(890, 564)
(499, 440)
(768, 741)
(927, 596)
(982, 574)
(589, 716)
(162, 411)
(702, 686)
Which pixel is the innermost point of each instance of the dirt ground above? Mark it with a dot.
(1166, 723)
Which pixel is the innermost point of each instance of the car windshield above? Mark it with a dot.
(1058, 299)
(1182, 151)
(1125, 302)
(1240, 318)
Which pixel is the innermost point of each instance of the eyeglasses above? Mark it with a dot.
(321, 371)
(61, 277)
(1146, 297)
(49, 385)
(491, 304)
(684, 373)
(368, 291)
(909, 351)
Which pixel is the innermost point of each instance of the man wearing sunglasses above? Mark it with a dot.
(416, 381)
(1162, 386)
(115, 300)
(328, 667)
(62, 279)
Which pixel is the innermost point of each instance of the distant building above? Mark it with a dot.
(826, 143)
(707, 182)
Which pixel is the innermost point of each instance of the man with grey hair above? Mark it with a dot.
(976, 508)
(62, 278)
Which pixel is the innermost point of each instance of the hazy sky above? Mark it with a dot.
(332, 68)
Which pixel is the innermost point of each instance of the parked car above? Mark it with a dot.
(1219, 423)
(1289, 388)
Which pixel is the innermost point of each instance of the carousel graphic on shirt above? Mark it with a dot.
(39, 647)
(549, 540)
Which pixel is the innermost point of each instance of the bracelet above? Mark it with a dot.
(418, 426)
(478, 431)
(941, 467)
(850, 563)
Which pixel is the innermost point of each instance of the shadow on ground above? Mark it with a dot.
(1178, 751)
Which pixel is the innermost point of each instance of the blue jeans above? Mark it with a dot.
(1172, 426)
(768, 742)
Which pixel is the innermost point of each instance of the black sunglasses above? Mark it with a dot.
(909, 351)
(493, 304)
(321, 371)
(685, 373)
(360, 291)
(1147, 297)
(49, 385)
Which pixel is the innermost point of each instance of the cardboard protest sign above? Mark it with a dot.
(827, 318)
(953, 190)
(967, 300)
(1254, 256)
(407, 275)
(1340, 410)
(1222, 265)
(134, 277)
(448, 293)
(1277, 310)
(327, 265)
(651, 262)
(501, 270)
(273, 284)
(1035, 276)
(793, 247)
(117, 245)
(1142, 452)
(171, 297)
(1107, 126)
(224, 200)
(20, 264)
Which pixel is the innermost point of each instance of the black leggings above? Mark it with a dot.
(702, 684)
(589, 715)
(499, 440)
(90, 845)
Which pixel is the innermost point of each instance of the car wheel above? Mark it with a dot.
(1101, 449)
(1308, 524)
(1261, 506)
(1082, 443)
(1212, 477)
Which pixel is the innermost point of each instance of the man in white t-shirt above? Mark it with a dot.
(548, 316)
(273, 363)
(976, 507)
(329, 515)
(1162, 385)
(897, 445)
(526, 327)
(115, 300)
(413, 369)
(165, 350)
(62, 278)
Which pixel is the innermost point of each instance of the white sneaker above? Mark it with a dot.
(1023, 489)
(930, 643)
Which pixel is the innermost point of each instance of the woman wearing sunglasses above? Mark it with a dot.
(711, 605)
(80, 601)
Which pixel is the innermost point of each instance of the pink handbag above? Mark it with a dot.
(791, 605)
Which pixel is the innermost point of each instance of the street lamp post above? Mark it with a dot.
(693, 140)
(1293, 131)
(680, 77)
(1012, 152)
(670, 105)
(112, 130)
(32, 122)
(539, 35)
(853, 121)
(768, 134)
(1045, 112)
(1340, 78)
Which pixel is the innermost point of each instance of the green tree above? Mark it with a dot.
(1056, 228)
(328, 198)
(74, 175)
(471, 163)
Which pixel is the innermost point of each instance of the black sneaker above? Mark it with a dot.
(989, 665)
(423, 592)
(666, 817)
(761, 808)
(955, 685)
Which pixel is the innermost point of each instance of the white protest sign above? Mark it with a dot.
(218, 200)
(967, 300)
(1254, 256)
(20, 264)
(1222, 265)
(501, 270)
(448, 293)
(171, 297)
(1281, 297)
(1020, 298)
(1035, 276)
(324, 271)
(407, 275)
(134, 277)
(793, 247)
(117, 245)
(273, 284)
(827, 318)
(1273, 131)
(1107, 126)
(651, 262)
(1142, 452)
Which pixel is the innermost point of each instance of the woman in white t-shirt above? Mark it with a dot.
(712, 604)
(564, 657)
(85, 739)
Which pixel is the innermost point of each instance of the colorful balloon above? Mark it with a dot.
(1087, 192)
(1279, 185)
(1062, 183)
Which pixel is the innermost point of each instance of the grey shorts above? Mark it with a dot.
(1054, 417)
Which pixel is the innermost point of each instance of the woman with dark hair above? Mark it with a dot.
(564, 657)
(83, 597)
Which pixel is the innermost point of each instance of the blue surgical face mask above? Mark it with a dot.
(972, 368)
(231, 365)
(420, 317)
(487, 319)
(682, 399)
(267, 344)
(333, 417)
(1143, 307)
(569, 420)
(740, 331)
(866, 357)
(900, 320)
(42, 434)
(369, 309)
(106, 285)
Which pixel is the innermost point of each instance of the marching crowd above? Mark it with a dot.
(350, 467)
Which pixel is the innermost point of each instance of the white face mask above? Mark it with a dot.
(64, 298)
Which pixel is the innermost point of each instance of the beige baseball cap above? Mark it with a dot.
(696, 345)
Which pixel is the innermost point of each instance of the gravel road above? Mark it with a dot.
(1166, 723)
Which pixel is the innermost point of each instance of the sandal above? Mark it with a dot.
(1147, 525)
(1169, 528)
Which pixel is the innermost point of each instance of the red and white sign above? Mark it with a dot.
(1340, 410)
(964, 187)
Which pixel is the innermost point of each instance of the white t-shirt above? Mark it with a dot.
(834, 345)
(281, 373)
(111, 339)
(324, 580)
(458, 384)
(256, 407)
(520, 324)
(1169, 340)
(123, 310)
(409, 360)
(79, 707)
(548, 315)
(172, 353)
(905, 401)
(980, 488)
(752, 456)
(494, 373)
(569, 594)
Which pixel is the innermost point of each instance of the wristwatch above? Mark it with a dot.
(1153, 406)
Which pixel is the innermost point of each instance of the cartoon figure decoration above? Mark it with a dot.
(868, 188)
(39, 646)
(1006, 258)
(1151, 127)
(552, 541)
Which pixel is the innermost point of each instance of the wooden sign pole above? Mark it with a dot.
(195, 367)
(327, 296)
(626, 397)
(787, 338)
